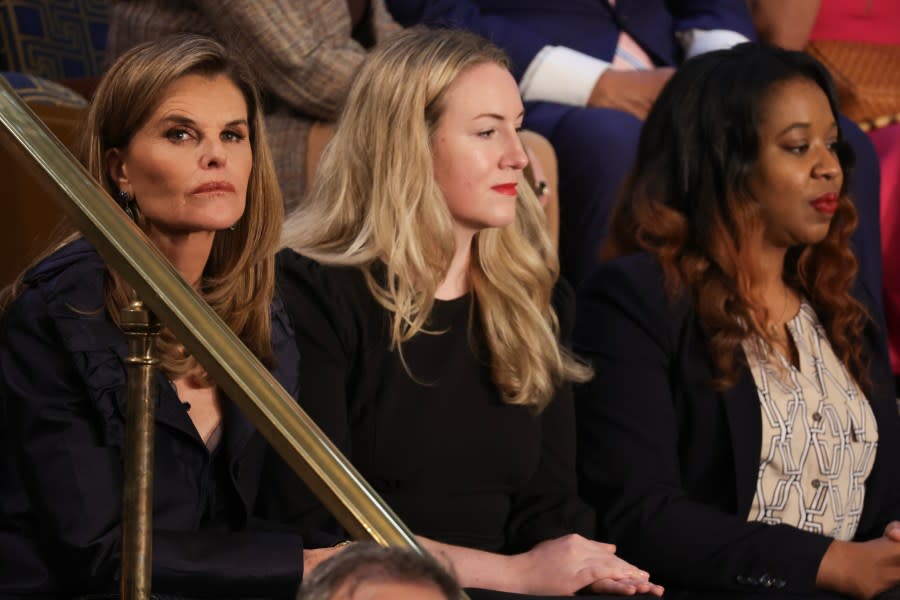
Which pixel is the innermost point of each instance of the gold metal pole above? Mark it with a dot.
(141, 328)
(123, 246)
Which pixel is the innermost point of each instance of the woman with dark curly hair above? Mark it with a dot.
(740, 435)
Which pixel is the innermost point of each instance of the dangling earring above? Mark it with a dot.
(127, 204)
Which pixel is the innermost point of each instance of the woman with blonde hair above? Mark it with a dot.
(429, 318)
(175, 135)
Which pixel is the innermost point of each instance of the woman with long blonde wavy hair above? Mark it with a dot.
(430, 321)
(175, 135)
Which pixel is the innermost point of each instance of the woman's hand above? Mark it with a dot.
(630, 91)
(892, 531)
(862, 569)
(626, 587)
(563, 566)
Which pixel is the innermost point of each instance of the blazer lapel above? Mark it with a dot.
(239, 429)
(741, 405)
(170, 411)
(244, 464)
(742, 410)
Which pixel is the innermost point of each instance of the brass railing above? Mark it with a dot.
(241, 376)
(141, 327)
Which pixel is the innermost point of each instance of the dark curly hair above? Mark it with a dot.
(688, 201)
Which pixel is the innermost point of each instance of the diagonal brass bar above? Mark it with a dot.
(125, 248)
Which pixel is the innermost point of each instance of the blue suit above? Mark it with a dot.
(596, 147)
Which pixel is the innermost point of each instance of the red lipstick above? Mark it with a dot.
(826, 203)
(212, 187)
(507, 189)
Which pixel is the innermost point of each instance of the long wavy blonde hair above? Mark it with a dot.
(375, 205)
(239, 278)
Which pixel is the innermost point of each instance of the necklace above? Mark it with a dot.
(779, 335)
(775, 327)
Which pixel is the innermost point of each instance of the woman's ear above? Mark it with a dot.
(117, 170)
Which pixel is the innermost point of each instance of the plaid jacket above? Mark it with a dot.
(301, 51)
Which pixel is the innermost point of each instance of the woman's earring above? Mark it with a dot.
(127, 204)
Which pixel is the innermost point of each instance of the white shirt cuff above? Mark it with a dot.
(560, 74)
(700, 41)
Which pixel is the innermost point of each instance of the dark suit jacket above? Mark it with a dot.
(671, 465)
(62, 408)
(523, 27)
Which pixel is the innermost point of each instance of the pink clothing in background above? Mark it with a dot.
(887, 145)
(873, 21)
(876, 22)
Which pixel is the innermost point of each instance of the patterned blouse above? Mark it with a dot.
(819, 435)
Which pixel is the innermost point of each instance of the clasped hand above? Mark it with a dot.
(565, 565)
(863, 569)
(629, 91)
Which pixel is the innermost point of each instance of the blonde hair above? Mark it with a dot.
(375, 205)
(239, 278)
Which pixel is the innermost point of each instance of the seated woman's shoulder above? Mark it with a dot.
(309, 286)
(74, 272)
(640, 272)
(630, 289)
(76, 255)
(294, 268)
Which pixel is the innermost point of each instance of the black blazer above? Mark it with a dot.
(671, 465)
(62, 421)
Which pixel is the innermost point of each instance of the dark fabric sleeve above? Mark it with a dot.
(712, 14)
(519, 42)
(549, 506)
(882, 503)
(73, 482)
(629, 421)
(321, 322)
